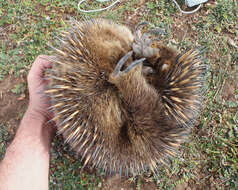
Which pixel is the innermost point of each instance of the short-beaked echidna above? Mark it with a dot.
(123, 102)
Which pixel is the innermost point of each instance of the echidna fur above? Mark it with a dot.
(124, 125)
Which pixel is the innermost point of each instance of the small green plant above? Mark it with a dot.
(4, 137)
(18, 89)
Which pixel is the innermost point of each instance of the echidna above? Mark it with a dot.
(124, 103)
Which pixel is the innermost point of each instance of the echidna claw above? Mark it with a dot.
(156, 31)
(141, 25)
(122, 62)
(133, 64)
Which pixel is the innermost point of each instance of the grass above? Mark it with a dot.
(4, 137)
(65, 170)
(210, 159)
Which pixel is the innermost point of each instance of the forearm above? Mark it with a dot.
(26, 163)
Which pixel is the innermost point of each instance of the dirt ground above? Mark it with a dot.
(13, 105)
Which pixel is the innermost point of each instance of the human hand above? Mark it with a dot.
(39, 104)
(26, 162)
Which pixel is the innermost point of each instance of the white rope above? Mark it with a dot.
(96, 10)
(186, 12)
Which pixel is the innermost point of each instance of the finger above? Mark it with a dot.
(39, 66)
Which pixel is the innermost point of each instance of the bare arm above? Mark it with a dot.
(26, 163)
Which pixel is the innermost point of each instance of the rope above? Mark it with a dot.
(186, 12)
(96, 10)
(117, 1)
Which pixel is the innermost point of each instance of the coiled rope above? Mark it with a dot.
(96, 10)
(117, 1)
(186, 12)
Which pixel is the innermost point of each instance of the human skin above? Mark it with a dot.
(26, 162)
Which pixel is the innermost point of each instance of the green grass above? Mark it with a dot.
(65, 170)
(4, 137)
(210, 159)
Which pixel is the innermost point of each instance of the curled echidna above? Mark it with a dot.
(123, 102)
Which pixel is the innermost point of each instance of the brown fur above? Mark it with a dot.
(123, 122)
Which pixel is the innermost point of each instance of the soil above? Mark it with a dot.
(12, 105)
(228, 90)
(117, 183)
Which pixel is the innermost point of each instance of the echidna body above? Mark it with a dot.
(115, 114)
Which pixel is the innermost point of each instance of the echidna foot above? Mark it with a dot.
(121, 62)
(143, 45)
(117, 71)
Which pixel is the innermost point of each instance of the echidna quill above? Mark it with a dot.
(123, 102)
